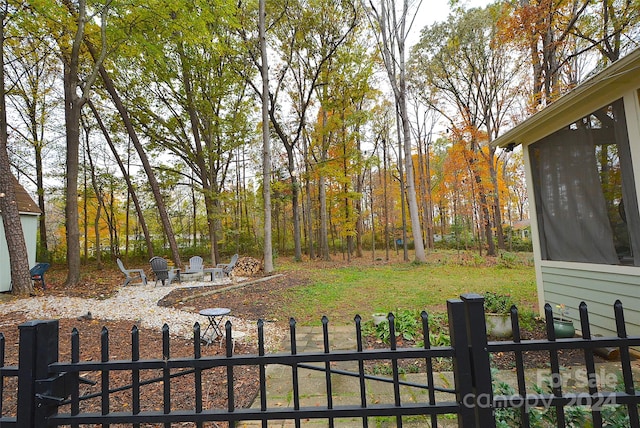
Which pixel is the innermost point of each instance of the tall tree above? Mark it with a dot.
(609, 27)
(146, 164)
(31, 73)
(71, 53)
(543, 28)
(473, 77)
(345, 99)
(425, 122)
(191, 100)
(393, 26)
(18, 258)
(305, 36)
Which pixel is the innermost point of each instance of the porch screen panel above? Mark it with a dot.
(630, 211)
(572, 212)
(585, 191)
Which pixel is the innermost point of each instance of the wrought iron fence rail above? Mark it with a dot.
(562, 344)
(9, 371)
(204, 363)
(8, 422)
(129, 386)
(216, 415)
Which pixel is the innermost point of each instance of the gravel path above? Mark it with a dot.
(137, 303)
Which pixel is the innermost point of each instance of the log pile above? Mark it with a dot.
(246, 266)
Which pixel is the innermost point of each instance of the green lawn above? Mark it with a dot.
(342, 292)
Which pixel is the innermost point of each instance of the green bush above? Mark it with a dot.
(496, 303)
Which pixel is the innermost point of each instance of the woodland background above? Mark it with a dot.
(139, 125)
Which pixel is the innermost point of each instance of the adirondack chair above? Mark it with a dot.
(161, 271)
(195, 265)
(228, 267)
(138, 274)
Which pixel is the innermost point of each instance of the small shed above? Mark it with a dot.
(29, 213)
(582, 163)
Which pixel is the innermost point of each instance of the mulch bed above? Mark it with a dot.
(214, 381)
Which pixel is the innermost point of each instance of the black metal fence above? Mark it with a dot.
(49, 391)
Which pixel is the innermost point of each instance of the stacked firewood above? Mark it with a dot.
(246, 266)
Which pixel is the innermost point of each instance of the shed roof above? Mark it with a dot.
(26, 205)
(595, 92)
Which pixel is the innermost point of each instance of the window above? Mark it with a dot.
(585, 195)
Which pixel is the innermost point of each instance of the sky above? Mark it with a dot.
(437, 10)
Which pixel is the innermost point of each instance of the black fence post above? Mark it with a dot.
(37, 349)
(481, 368)
(462, 374)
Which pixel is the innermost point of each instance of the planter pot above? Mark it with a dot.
(563, 328)
(379, 318)
(498, 325)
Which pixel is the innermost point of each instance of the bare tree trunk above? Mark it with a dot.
(496, 203)
(422, 179)
(430, 225)
(18, 256)
(194, 214)
(322, 195)
(96, 231)
(114, 242)
(484, 207)
(99, 201)
(72, 127)
(309, 223)
(359, 202)
(347, 201)
(402, 194)
(42, 221)
(295, 204)
(386, 201)
(211, 229)
(85, 211)
(266, 143)
(414, 213)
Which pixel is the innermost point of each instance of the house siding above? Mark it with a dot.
(30, 230)
(599, 287)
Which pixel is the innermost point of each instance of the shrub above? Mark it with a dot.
(495, 303)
